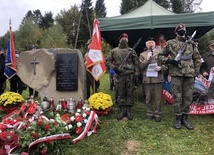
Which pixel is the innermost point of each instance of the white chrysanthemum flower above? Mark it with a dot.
(79, 124)
(72, 118)
(84, 115)
(85, 121)
(88, 109)
(79, 110)
(66, 127)
(77, 114)
(70, 126)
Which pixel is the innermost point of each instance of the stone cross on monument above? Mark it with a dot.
(34, 62)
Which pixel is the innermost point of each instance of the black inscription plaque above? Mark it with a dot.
(67, 72)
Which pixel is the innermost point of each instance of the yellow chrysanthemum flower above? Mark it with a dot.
(10, 99)
(100, 101)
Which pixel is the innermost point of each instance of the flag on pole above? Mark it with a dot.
(95, 62)
(10, 61)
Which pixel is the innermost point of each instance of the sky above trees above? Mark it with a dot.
(17, 9)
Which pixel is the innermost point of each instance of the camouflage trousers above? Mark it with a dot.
(182, 90)
(125, 90)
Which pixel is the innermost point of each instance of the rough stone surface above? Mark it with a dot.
(44, 81)
(43, 69)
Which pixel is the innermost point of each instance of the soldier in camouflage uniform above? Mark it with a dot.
(182, 73)
(124, 61)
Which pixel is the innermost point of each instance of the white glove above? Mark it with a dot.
(157, 68)
(149, 55)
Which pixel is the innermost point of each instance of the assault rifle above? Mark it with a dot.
(124, 64)
(180, 52)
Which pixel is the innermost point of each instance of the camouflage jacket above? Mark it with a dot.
(188, 67)
(117, 57)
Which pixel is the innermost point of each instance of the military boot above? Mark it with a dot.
(122, 113)
(186, 123)
(128, 112)
(177, 124)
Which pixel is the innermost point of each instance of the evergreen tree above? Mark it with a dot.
(100, 9)
(86, 23)
(126, 6)
(34, 16)
(47, 20)
(177, 6)
(129, 5)
(185, 6)
(37, 17)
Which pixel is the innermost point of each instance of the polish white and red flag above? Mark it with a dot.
(95, 62)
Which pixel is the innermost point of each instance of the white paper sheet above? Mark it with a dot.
(151, 72)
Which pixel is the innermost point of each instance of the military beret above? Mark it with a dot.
(123, 35)
(150, 39)
(211, 42)
(179, 27)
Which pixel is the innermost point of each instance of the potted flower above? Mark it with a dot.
(100, 103)
(10, 100)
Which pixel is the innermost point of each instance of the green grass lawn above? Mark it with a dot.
(142, 136)
(145, 137)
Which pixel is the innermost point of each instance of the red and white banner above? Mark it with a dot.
(167, 96)
(46, 139)
(202, 109)
(95, 62)
(90, 127)
(201, 83)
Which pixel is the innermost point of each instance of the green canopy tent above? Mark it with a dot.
(151, 20)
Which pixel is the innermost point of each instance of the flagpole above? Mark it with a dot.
(10, 61)
(94, 86)
(10, 24)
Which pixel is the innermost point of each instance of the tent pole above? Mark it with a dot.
(78, 28)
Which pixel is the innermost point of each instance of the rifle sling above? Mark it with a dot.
(185, 57)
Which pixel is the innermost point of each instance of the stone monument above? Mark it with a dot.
(58, 73)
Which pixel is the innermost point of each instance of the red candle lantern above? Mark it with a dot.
(64, 104)
(79, 104)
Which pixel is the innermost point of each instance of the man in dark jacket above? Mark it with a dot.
(2, 76)
(16, 84)
(208, 59)
(208, 63)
